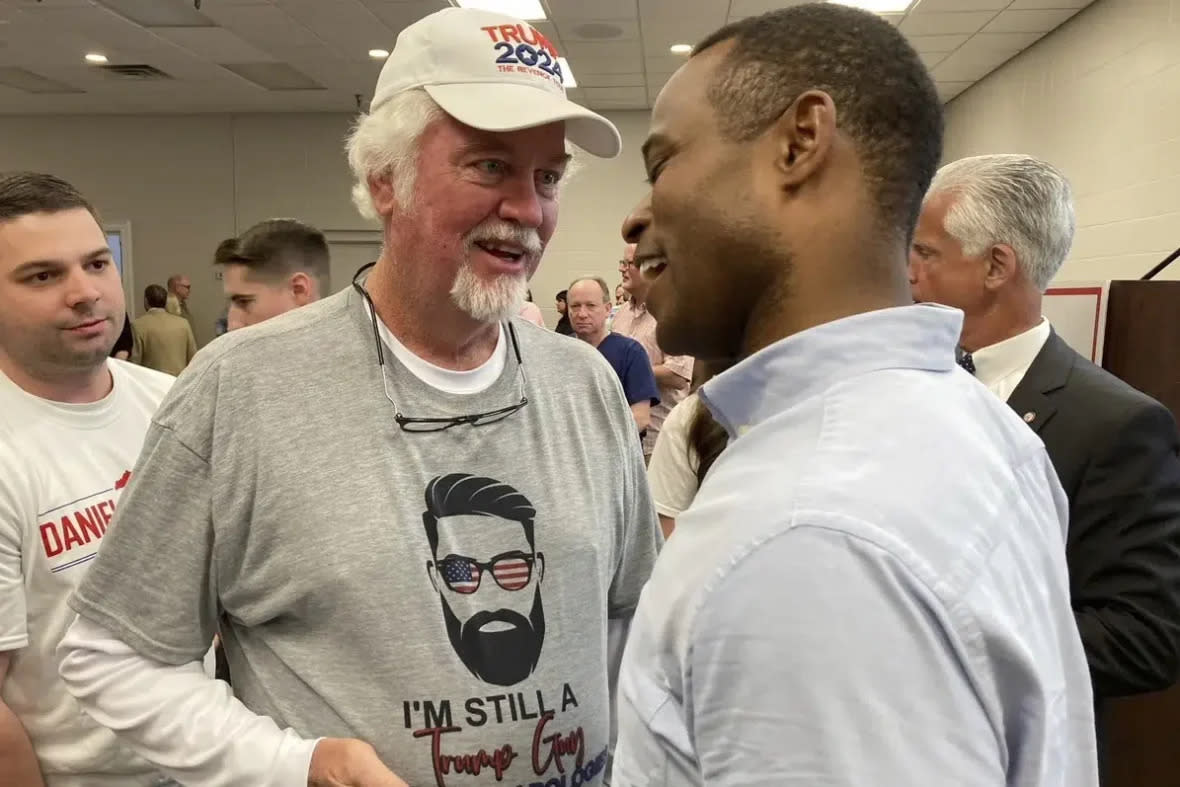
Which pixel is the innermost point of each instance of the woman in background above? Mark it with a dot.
(689, 443)
(126, 341)
(531, 311)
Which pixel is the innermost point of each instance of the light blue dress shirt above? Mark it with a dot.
(870, 588)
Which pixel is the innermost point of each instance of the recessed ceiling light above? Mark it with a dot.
(567, 73)
(521, 9)
(378, 54)
(680, 49)
(95, 57)
(878, 6)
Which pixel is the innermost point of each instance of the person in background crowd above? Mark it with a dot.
(275, 266)
(163, 341)
(126, 341)
(564, 327)
(531, 312)
(589, 303)
(620, 294)
(870, 587)
(993, 233)
(72, 422)
(689, 444)
(430, 464)
(224, 249)
(179, 288)
(673, 372)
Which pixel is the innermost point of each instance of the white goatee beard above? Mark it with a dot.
(488, 301)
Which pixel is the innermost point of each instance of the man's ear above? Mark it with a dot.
(804, 136)
(1002, 266)
(302, 288)
(381, 190)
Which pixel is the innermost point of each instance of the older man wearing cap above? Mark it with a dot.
(422, 578)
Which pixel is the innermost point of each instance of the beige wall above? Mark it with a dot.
(186, 182)
(1099, 98)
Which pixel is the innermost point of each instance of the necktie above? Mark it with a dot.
(964, 359)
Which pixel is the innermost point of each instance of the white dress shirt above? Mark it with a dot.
(1003, 365)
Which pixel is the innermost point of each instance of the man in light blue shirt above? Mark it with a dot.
(870, 587)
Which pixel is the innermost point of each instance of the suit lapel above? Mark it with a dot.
(1048, 373)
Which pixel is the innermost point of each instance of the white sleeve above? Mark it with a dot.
(177, 717)
(14, 631)
(671, 474)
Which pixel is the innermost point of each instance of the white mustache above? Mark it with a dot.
(494, 230)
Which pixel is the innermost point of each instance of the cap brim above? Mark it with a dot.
(499, 107)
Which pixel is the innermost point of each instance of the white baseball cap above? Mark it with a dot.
(491, 72)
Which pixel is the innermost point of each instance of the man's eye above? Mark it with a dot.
(492, 166)
(550, 178)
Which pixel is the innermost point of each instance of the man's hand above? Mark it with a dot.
(338, 762)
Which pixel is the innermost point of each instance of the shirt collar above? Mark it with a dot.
(997, 361)
(922, 336)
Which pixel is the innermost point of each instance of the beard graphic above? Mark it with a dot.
(504, 657)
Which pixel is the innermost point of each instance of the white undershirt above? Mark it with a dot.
(190, 726)
(450, 381)
(1002, 366)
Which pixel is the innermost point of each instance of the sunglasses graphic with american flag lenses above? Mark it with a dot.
(510, 570)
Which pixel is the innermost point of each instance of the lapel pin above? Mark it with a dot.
(1029, 417)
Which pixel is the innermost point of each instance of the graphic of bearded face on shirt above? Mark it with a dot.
(488, 574)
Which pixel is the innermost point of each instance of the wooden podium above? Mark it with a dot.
(1143, 347)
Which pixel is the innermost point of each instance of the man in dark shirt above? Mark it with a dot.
(588, 302)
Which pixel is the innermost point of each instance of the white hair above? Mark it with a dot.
(385, 143)
(1012, 199)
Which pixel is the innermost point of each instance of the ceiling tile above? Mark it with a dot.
(398, 16)
(1020, 5)
(602, 50)
(214, 43)
(266, 26)
(595, 30)
(740, 8)
(628, 94)
(1010, 42)
(1040, 21)
(948, 90)
(969, 66)
(920, 24)
(929, 6)
(931, 59)
(611, 80)
(937, 43)
(628, 66)
(158, 13)
(561, 10)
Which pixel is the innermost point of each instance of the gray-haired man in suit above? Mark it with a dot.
(993, 231)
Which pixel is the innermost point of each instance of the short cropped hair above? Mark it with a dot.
(276, 248)
(563, 296)
(155, 296)
(225, 251)
(23, 193)
(1014, 199)
(885, 99)
(601, 282)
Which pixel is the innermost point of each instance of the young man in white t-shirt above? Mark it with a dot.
(72, 424)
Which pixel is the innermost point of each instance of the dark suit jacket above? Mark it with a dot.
(1115, 451)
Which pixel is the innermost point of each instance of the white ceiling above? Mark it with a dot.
(314, 53)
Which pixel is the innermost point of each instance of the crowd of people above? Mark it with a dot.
(815, 495)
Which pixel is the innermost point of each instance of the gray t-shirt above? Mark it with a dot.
(443, 596)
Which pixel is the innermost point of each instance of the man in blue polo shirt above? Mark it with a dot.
(588, 306)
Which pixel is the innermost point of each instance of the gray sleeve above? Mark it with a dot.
(151, 585)
(820, 660)
(640, 539)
